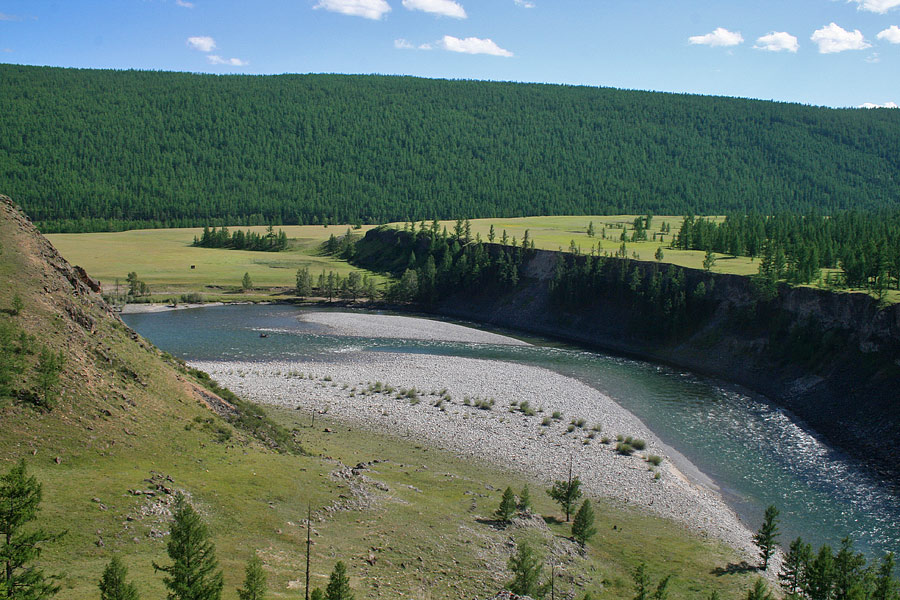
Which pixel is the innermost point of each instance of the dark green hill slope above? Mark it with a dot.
(91, 150)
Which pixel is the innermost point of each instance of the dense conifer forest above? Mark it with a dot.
(89, 150)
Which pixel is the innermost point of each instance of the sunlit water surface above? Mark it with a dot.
(757, 453)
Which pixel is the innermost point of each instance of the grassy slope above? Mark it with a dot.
(255, 499)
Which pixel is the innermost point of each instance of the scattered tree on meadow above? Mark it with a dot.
(590, 229)
(17, 304)
(304, 282)
(113, 585)
(524, 505)
(339, 584)
(20, 549)
(659, 254)
(246, 282)
(194, 573)
(709, 261)
(767, 536)
(583, 525)
(507, 506)
(643, 584)
(527, 569)
(254, 581)
(759, 591)
(566, 493)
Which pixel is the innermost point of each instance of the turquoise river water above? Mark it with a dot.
(756, 452)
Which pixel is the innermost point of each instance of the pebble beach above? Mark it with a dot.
(474, 409)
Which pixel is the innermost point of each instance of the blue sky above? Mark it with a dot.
(823, 52)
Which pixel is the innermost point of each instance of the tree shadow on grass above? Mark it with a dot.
(734, 569)
(493, 523)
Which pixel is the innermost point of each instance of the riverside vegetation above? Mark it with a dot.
(132, 427)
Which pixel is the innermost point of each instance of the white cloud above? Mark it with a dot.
(873, 58)
(215, 59)
(446, 8)
(719, 37)
(7, 50)
(834, 38)
(876, 6)
(473, 45)
(891, 34)
(184, 4)
(203, 43)
(885, 105)
(369, 9)
(524, 3)
(6, 17)
(402, 44)
(777, 41)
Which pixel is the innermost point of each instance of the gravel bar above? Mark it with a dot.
(502, 435)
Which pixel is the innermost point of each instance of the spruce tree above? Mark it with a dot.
(767, 536)
(113, 585)
(583, 525)
(246, 282)
(339, 584)
(507, 506)
(20, 498)
(194, 573)
(254, 581)
(641, 582)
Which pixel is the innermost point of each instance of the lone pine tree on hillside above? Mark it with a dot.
(20, 498)
(767, 536)
(566, 493)
(113, 585)
(507, 506)
(527, 569)
(254, 581)
(194, 573)
(583, 525)
(524, 505)
(339, 584)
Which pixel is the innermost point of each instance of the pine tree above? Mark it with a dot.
(659, 254)
(525, 501)
(793, 569)
(583, 525)
(759, 591)
(767, 536)
(113, 585)
(254, 581)
(317, 594)
(304, 282)
(507, 506)
(641, 582)
(339, 584)
(527, 569)
(566, 494)
(246, 282)
(20, 499)
(590, 229)
(885, 584)
(194, 573)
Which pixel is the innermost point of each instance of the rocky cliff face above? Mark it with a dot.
(831, 358)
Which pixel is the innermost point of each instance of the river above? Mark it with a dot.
(757, 453)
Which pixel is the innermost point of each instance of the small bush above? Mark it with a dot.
(557, 415)
(638, 444)
(654, 460)
(597, 427)
(624, 449)
(546, 421)
(604, 440)
(570, 429)
(526, 409)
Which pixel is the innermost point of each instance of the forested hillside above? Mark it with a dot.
(96, 150)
